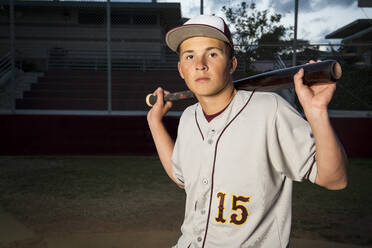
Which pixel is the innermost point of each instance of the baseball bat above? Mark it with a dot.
(320, 72)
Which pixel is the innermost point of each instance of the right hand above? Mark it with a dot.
(160, 108)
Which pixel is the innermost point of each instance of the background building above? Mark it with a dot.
(356, 38)
(65, 91)
(78, 29)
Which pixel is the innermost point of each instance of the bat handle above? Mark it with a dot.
(151, 99)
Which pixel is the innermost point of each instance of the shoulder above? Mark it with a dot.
(188, 115)
(261, 100)
(267, 105)
(259, 96)
(189, 111)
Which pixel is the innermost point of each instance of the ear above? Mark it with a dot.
(180, 70)
(233, 65)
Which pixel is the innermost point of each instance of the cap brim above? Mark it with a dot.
(177, 35)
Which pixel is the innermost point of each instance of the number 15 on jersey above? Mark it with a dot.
(240, 215)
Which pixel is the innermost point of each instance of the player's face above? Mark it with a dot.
(205, 66)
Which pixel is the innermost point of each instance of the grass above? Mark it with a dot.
(97, 192)
(90, 194)
(343, 216)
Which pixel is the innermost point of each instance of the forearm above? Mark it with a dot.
(164, 145)
(330, 155)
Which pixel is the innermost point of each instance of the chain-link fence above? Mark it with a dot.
(62, 60)
(354, 89)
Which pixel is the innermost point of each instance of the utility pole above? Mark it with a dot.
(294, 59)
(201, 7)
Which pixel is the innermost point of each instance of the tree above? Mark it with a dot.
(255, 32)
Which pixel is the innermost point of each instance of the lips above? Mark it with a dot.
(202, 79)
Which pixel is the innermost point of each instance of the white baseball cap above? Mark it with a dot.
(200, 26)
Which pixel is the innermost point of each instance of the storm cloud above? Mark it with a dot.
(287, 6)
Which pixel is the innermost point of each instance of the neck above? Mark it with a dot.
(214, 104)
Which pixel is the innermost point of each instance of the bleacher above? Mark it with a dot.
(65, 128)
(87, 90)
(73, 85)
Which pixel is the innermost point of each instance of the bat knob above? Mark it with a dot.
(150, 100)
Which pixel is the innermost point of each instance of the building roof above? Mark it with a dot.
(364, 3)
(350, 29)
(362, 36)
(57, 3)
(172, 11)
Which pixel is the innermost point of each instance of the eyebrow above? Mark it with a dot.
(208, 49)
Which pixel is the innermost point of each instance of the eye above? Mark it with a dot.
(189, 56)
(213, 55)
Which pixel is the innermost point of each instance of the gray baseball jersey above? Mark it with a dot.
(238, 169)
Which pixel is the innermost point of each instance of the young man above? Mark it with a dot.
(237, 152)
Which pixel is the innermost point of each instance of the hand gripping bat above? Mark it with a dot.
(320, 72)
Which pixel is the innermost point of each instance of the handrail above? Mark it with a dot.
(5, 63)
(5, 68)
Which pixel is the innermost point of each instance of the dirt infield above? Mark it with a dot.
(133, 238)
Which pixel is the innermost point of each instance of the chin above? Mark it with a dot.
(206, 94)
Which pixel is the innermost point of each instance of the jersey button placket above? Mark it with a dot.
(205, 186)
(210, 136)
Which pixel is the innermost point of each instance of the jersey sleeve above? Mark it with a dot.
(176, 165)
(292, 145)
(177, 150)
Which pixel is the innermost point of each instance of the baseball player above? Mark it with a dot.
(237, 153)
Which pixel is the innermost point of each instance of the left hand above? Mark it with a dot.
(315, 97)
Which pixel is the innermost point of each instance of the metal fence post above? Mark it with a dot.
(294, 59)
(109, 88)
(12, 56)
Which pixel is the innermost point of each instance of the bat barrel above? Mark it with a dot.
(320, 72)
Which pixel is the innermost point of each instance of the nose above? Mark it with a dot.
(201, 64)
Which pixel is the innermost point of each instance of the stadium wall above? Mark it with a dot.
(126, 135)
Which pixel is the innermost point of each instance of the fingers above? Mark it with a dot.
(160, 93)
(160, 96)
(159, 109)
(298, 76)
(312, 61)
(300, 88)
(168, 104)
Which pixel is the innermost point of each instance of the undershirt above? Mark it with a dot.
(212, 116)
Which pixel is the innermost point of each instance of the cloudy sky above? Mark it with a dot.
(316, 19)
